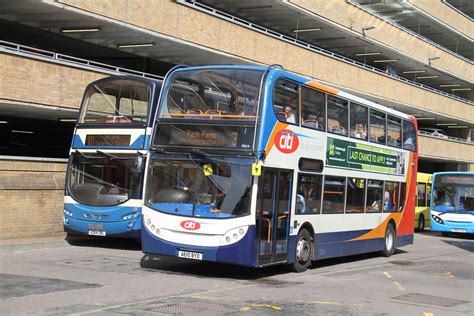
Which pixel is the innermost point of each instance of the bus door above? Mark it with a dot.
(273, 214)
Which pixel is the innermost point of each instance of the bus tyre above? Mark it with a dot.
(389, 241)
(421, 223)
(303, 251)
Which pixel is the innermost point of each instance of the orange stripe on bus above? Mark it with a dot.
(271, 141)
(321, 87)
(207, 115)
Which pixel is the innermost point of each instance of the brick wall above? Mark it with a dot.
(31, 198)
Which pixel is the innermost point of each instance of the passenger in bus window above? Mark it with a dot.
(374, 207)
(290, 114)
(387, 203)
(360, 131)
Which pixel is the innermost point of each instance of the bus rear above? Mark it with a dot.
(452, 202)
(423, 197)
(107, 157)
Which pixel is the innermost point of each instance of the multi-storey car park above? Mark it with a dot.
(414, 56)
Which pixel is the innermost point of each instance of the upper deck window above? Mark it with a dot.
(377, 127)
(313, 108)
(337, 115)
(359, 120)
(212, 94)
(116, 102)
(409, 136)
(285, 101)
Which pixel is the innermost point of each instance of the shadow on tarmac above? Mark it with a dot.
(206, 269)
(100, 242)
(173, 265)
(460, 240)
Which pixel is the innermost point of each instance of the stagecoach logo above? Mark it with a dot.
(286, 141)
(190, 225)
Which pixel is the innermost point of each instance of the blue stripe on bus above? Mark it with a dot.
(242, 252)
(333, 245)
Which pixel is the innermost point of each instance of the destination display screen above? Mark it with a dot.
(107, 140)
(237, 137)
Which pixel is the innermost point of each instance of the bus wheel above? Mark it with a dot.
(421, 223)
(389, 243)
(303, 251)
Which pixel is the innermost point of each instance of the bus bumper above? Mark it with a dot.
(126, 229)
(452, 227)
(241, 253)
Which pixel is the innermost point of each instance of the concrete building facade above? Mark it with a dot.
(385, 51)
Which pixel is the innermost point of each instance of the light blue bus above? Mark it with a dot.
(103, 191)
(452, 202)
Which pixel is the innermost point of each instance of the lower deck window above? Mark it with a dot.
(334, 191)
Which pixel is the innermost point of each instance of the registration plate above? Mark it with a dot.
(190, 255)
(97, 233)
(458, 230)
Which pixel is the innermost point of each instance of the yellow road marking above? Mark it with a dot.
(249, 308)
(399, 286)
(447, 274)
(388, 275)
(428, 314)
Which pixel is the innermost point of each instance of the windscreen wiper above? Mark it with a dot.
(213, 181)
(84, 155)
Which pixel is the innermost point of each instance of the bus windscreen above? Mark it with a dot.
(116, 102)
(221, 103)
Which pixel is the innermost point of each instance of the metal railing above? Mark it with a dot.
(257, 28)
(405, 29)
(31, 52)
(449, 138)
(36, 159)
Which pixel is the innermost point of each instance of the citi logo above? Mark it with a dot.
(190, 225)
(286, 141)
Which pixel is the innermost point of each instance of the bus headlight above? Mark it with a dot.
(437, 219)
(130, 216)
(68, 213)
(234, 235)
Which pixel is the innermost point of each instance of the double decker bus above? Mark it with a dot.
(423, 198)
(257, 166)
(452, 202)
(104, 181)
